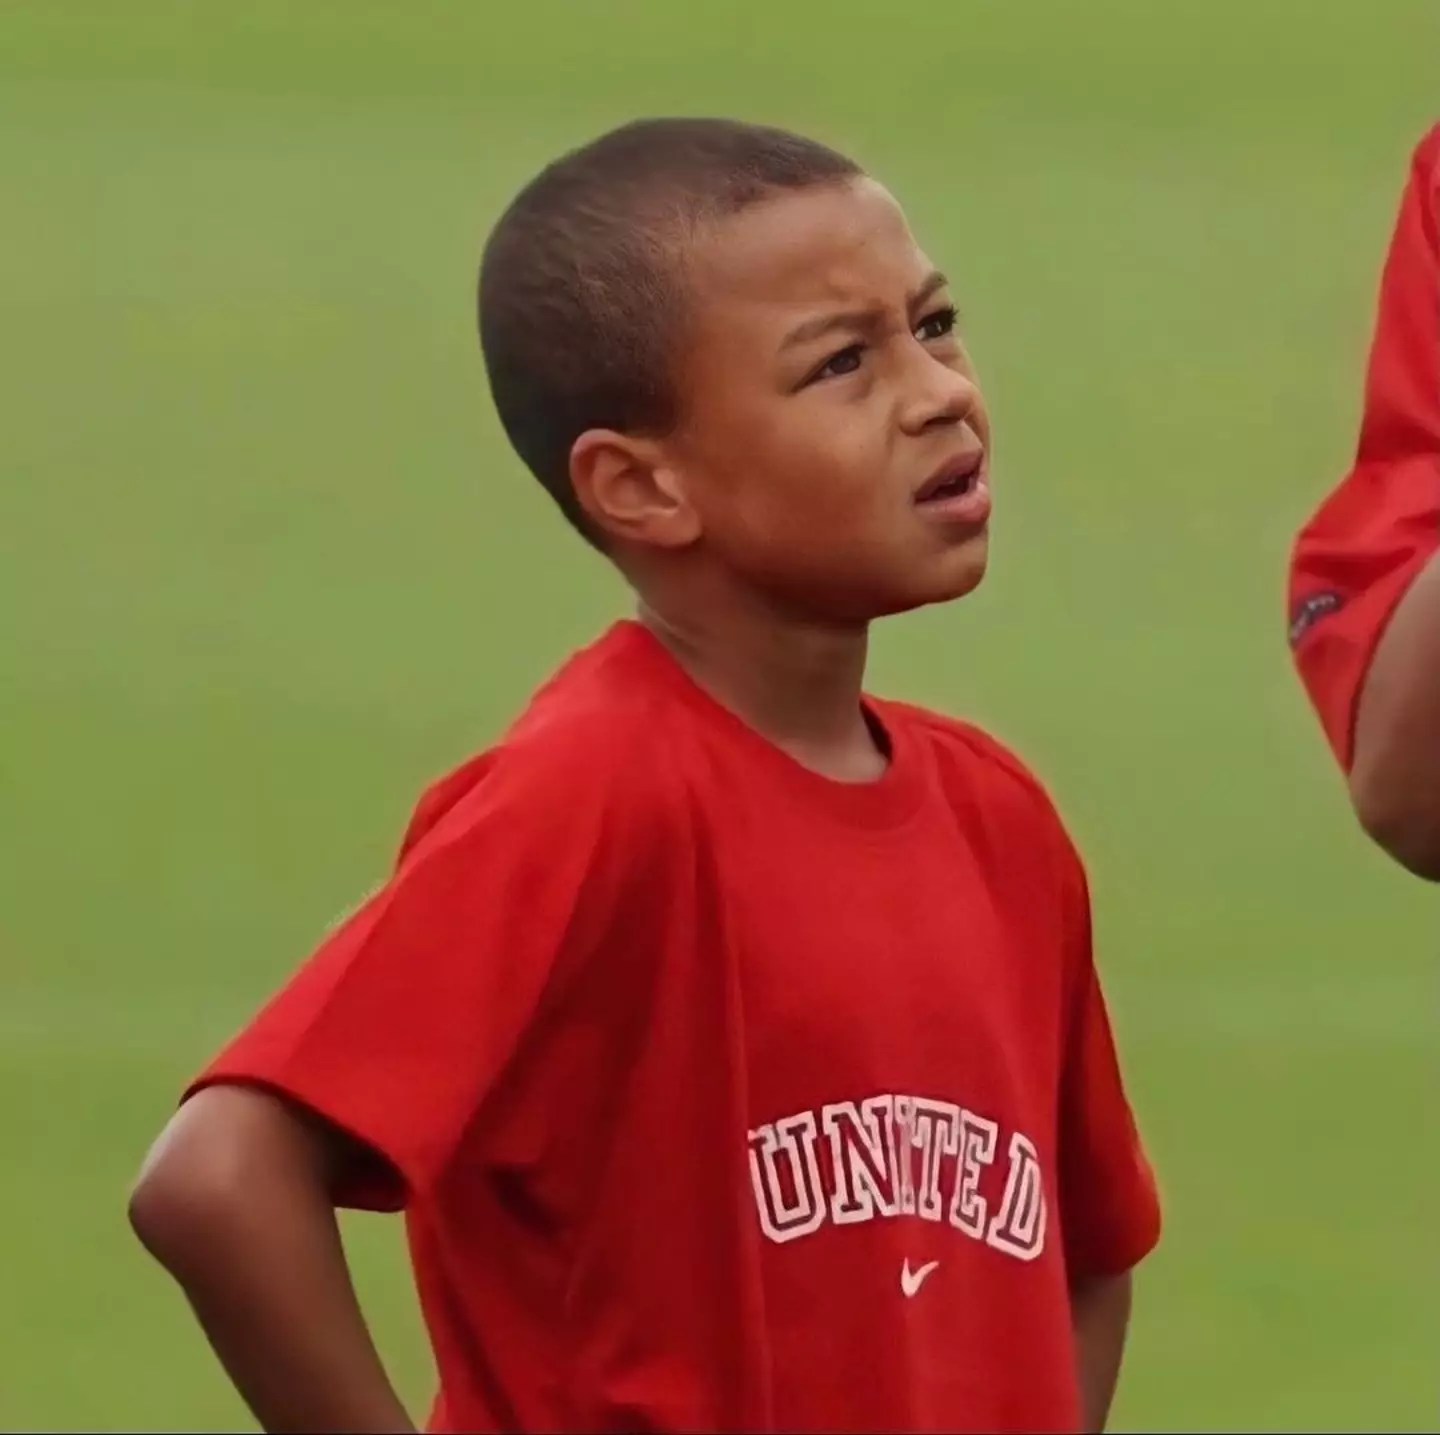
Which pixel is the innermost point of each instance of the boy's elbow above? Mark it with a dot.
(154, 1206)
(182, 1193)
(209, 1165)
(1401, 818)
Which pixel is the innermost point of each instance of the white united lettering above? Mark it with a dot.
(978, 1136)
(1019, 1228)
(934, 1125)
(862, 1145)
(897, 1155)
(795, 1208)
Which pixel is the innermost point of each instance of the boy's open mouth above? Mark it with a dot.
(953, 479)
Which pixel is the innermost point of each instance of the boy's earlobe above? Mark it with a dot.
(628, 493)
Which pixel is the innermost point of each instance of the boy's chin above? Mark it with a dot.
(959, 579)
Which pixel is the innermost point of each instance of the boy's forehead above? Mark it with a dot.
(831, 244)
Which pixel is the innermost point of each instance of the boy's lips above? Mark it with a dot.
(958, 491)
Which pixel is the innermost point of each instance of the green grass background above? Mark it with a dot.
(266, 567)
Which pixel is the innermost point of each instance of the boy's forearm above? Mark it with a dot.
(1100, 1312)
(281, 1313)
(257, 1250)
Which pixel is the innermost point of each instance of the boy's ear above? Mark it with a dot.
(628, 491)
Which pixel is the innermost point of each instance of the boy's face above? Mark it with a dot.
(833, 441)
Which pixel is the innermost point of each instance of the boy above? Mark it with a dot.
(730, 1038)
(1364, 591)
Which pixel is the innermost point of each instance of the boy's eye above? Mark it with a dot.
(846, 361)
(939, 325)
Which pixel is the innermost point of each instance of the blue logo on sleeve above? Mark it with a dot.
(1309, 611)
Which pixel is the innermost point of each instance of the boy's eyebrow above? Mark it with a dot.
(852, 319)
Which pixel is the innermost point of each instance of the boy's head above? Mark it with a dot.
(719, 348)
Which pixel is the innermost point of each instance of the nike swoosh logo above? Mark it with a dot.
(911, 1281)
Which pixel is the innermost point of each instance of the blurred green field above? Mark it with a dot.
(266, 567)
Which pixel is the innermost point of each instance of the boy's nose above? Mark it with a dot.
(937, 395)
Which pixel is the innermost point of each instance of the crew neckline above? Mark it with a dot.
(883, 802)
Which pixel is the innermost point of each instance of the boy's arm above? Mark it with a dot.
(1100, 1316)
(1109, 1205)
(396, 1032)
(235, 1201)
(1364, 590)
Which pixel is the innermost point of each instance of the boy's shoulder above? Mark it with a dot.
(1015, 829)
(975, 768)
(585, 749)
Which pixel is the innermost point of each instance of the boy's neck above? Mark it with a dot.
(797, 684)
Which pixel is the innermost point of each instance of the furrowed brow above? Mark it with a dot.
(849, 320)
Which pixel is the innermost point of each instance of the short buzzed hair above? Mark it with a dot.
(581, 294)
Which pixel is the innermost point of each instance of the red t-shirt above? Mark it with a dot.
(723, 1096)
(1354, 559)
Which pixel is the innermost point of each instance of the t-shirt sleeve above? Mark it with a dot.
(1110, 1208)
(400, 1025)
(1357, 555)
